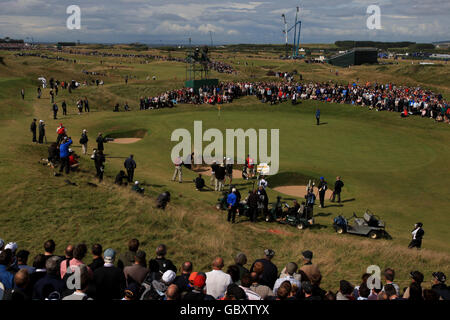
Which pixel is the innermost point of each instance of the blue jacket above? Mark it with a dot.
(64, 149)
(231, 199)
(317, 113)
(6, 277)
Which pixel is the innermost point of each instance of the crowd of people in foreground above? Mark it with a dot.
(389, 97)
(106, 275)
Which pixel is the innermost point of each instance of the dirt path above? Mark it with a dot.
(299, 191)
(126, 140)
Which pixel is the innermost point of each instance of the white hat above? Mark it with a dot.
(233, 190)
(136, 182)
(12, 246)
(228, 159)
(70, 150)
(168, 276)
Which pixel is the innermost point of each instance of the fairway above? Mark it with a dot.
(398, 168)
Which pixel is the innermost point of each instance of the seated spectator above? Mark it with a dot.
(307, 290)
(49, 248)
(416, 278)
(160, 264)
(246, 282)
(391, 292)
(21, 283)
(217, 281)
(260, 289)
(132, 292)
(121, 178)
(439, 286)
(137, 188)
(79, 252)
(430, 295)
(128, 258)
(73, 160)
(172, 293)
(22, 259)
(138, 271)
(109, 280)
(182, 281)
(311, 270)
(241, 261)
(389, 275)
(234, 292)
(291, 268)
(97, 260)
(199, 183)
(345, 291)
(233, 271)
(270, 273)
(363, 292)
(80, 293)
(198, 292)
(162, 200)
(156, 290)
(6, 277)
(51, 283)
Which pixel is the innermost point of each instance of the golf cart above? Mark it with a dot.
(302, 219)
(370, 225)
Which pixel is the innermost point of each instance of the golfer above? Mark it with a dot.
(178, 163)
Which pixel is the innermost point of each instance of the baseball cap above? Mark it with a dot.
(307, 254)
(11, 246)
(132, 290)
(192, 277)
(269, 252)
(168, 276)
(417, 276)
(200, 281)
(321, 178)
(109, 255)
(136, 182)
(440, 276)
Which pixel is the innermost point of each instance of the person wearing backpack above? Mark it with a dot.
(84, 141)
(160, 264)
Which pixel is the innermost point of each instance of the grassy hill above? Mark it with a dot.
(396, 167)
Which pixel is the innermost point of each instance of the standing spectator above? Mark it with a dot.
(439, 286)
(199, 183)
(51, 282)
(214, 167)
(182, 281)
(130, 165)
(99, 160)
(86, 105)
(178, 171)
(109, 280)
(52, 95)
(270, 273)
(252, 202)
(128, 258)
(138, 271)
(22, 93)
(97, 260)
(64, 107)
(217, 281)
(41, 131)
(39, 92)
(219, 177)
(64, 155)
(311, 270)
(100, 141)
(318, 116)
(323, 186)
(291, 268)
(55, 110)
(232, 206)
(33, 128)
(337, 189)
(6, 277)
(417, 235)
(84, 141)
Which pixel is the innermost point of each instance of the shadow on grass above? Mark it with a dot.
(322, 214)
(348, 200)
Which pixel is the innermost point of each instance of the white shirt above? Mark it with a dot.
(217, 282)
(289, 278)
(251, 295)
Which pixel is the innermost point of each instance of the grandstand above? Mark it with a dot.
(356, 56)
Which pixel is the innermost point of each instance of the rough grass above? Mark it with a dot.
(401, 171)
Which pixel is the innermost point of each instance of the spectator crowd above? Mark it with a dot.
(98, 274)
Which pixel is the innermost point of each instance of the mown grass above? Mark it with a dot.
(398, 168)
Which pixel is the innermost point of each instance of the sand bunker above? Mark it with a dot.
(126, 140)
(237, 174)
(299, 191)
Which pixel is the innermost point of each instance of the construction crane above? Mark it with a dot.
(286, 31)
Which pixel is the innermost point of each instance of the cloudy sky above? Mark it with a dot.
(231, 21)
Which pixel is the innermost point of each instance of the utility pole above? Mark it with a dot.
(285, 33)
(210, 33)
